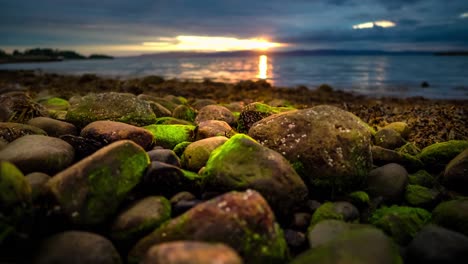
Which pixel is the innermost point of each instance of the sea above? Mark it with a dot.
(376, 75)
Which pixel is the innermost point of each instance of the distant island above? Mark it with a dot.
(46, 55)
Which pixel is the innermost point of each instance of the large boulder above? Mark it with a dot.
(111, 131)
(191, 252)
(456, 173)
(121, 107)
(365, 244)
(92, 189)
(77, 247)
(329, 147)
(242, 163)
(37, 153)
(241, 220)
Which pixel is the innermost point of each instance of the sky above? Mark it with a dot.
(119, 27)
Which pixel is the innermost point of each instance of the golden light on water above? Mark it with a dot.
(263, 67)
(203, 43)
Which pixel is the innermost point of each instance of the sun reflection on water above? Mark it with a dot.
(263, 67)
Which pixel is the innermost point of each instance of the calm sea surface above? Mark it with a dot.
(399, 76)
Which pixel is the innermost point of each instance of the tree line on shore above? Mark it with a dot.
(46, 54)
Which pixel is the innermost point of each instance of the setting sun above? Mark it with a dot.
(203, 43)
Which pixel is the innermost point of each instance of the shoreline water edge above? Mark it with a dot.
(152, 170)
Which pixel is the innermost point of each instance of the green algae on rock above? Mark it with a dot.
(331, 147)
(121, 107)
(456, 173)
(422, 178)
(438, 155)
(402, 223)
(364, 244)
(55, 103)
(91, 190)
(452, 215)
(420, 196)
(241, 220)
(168, 136)
(256, 111)
(242, 163)
(197, 154)
(332, 210)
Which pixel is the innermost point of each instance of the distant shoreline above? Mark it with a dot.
(46, 55)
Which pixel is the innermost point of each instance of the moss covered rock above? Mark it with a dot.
(423, 178)
(241, 220)
(197, 154)
(438, 155)
(401, 127)
(329, 147)
(420, 196)
(388, 138)
(36, 153)
(400, 222)
(343, 211)
(242, 163)
(168, 136)
(169, 120)
(452, 215)
(11, 131)
(456, 173)
(121, 107)
(184, 112)
(91, 190)
(111, 131)
(141, 218)
(55, 103)
(382, 156)
(256, 111)
(354, 246)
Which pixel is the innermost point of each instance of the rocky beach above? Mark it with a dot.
(151, 170)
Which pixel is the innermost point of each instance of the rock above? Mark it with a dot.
(180, 148)
(301, 221)
(19, 107)
(294, 239)
(242, 163)
(53, 127)
(168, 136)
(191, 252)
(241, 220)
(141, 218)
(436, 156)
(456, 173)
(452, 215)
(422, 178)
(167, 180)
(335, 210)
(329, 147)
(213, 128)
(325, 231)
(359, 198)
(121, 107)
(388, 138)
(37, 181)
(110, 131)
(197, 154)
(382, 156)
(159, 110)
(162, 101)
(400, 222)
(164, 155)
(388, 181)
(55, 103)
(409, 149)
(359, 245)
(91, 190)
(78, 247)
(169, 120)
(420, 196)
(215, 112)
(36, 153)
(184, 112)
(200, 103)
(83, 146)
(182, 196)
(255, 112)
(434, 244)
(12, 131)
(401, 127)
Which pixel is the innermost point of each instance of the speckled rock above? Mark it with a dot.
(456, 173)
(111, 131)
(241, 220)
(242, 163)
(357, 245)
(53, 127)
(197, 154)
(11, 131)
(36, 153)
(121, 107)
(141, 218)
(77, 247)
(91, 190)
(191, 252)
(215, 112)
(255, 112)
(329, 147)
(213, 128)
(388, 182)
